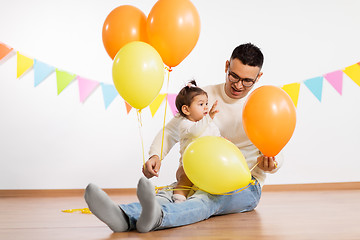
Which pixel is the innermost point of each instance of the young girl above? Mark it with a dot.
(196, 121)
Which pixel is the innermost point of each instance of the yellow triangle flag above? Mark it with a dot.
(293, 90)
(154, 106)
(23, 64)
(353, 72)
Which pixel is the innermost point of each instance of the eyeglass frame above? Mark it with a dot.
(242, 79)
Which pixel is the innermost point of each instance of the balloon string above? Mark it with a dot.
(254, 166)
(276, 166)
(169, 188)
(141, 136)
(252, 182)
(163, 130)
(82, 210)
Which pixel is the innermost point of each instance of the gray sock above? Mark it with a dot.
(105, 209)
(151, 214)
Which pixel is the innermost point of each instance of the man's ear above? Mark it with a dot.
(260, 74)
(185, 110)
(227, 65)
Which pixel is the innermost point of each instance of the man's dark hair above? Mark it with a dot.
(248, 54)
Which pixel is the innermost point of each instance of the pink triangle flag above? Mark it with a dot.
(86, 87)
(171, 100)
(335, 79)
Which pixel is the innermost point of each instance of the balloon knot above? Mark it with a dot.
(169, 69)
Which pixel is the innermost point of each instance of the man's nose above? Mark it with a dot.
(239, 85)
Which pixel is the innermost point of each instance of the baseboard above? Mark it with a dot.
(132, 191)
(313, 187)
(61, 192)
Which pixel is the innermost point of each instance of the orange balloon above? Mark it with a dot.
(173, 28)
(269, 119)
(124, 24)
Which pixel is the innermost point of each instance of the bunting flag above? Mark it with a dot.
(353, 72)
(86, 87)
(63, 79)
(154, 106)
(171, 100)
(335, 79)
(4, 50)
(23, 64)
(109, 93)
(315, 86)
(292, 90)
(41, 72)
(128, 107)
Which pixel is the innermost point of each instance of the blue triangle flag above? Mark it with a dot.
(315, 86)
(41, 71)
(109, 93)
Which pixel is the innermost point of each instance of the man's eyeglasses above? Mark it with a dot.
(246, 82)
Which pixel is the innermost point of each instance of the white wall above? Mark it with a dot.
(50, 142)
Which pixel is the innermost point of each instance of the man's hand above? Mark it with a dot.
(267, 164)
(152, 167)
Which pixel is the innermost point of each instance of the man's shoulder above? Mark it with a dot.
(213, 88)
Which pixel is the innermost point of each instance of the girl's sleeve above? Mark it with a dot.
(195, 129)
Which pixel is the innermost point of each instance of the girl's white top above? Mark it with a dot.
(189, 131)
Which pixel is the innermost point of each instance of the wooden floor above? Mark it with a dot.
(321, 214)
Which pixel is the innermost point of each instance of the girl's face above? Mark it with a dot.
(197, 109)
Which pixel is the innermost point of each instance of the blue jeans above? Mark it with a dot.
(198, 207)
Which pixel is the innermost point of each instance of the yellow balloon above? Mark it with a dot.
(138, 73)
(216, 165)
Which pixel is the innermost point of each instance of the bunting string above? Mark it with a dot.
(87, 86)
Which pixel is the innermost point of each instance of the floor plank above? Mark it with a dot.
(328, 214)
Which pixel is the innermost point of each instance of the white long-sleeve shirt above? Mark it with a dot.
(229, 122)
(190, 130)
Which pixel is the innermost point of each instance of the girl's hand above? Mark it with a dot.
(213, 110)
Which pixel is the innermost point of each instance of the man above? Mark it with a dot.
(155, 212)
